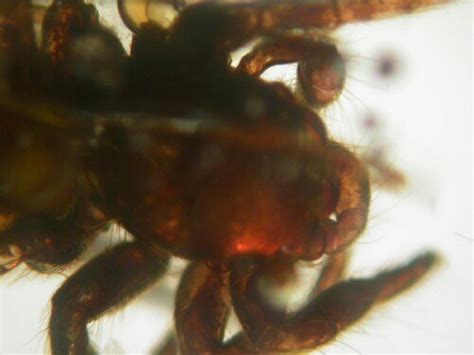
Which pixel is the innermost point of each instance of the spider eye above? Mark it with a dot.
(134, 13)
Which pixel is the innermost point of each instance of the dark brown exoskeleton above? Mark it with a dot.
(195, 158)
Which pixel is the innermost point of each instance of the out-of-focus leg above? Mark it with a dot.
(324, 316)
(334, 13)
(65, 21)
(85, 62)
(42, 242)
(228, 26)
(105, 283)
(47, 243)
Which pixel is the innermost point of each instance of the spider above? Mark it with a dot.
(244, 183)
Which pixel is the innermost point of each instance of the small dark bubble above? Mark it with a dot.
(370, 122)
(388, 65)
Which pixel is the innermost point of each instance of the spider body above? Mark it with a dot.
(222, 197)
(244, 184)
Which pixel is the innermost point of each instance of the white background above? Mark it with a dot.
(425, 112)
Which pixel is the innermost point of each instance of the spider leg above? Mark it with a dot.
(46, 242)
(349, 217)
(279, 50)
(224, 27)
(42, 242)
(334, 13)
(85, 62)
(198, 284)
(214, 88)
(353, 205)
(201, 310)
(321, 69)
(103, 284)
(65, 21)
(331, 273)
(202, 306)
(333, 270)
(323, 317)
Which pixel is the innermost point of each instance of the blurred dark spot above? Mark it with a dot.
(370, 122)
(388, 65)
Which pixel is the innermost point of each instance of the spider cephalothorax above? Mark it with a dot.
(194, 157)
